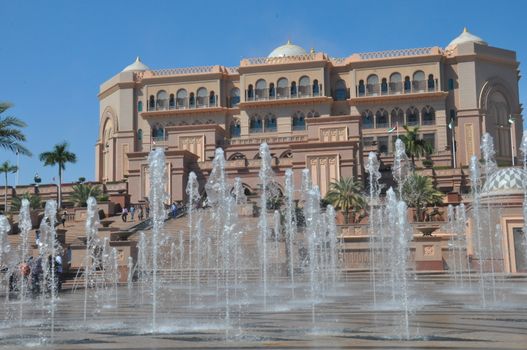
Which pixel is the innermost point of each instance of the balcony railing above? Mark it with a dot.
(394, 88)
(185, 103)
(280, 93)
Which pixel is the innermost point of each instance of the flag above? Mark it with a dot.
(511, 119)
(392, 129)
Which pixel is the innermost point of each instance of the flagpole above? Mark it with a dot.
(511, 122)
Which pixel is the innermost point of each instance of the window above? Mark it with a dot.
(431, 140)
(372, 85)
(261, 89)
(418, 82)
(202, 96)
(367, 141)
(304, 86)
(255, 124)
(282, 88)
(235, 97)
(397, 116)
(429, 116)
(270, 123)
(212, 99)
(384, 86)
(431, 82)
(395, 83)
(140, 106)
(272, 91)
(293, 88)
(407, 84)
(367, 119)
(450, 84)
(158, 133)
(140, 135)
(162, 100)
(362, 88)
(298, 121)
(181, 98)
(381, 119)
(316, 88)
(383, 144)
(192, 100)
(250, 92)
(341, 92)
(151, 102)
(235, 128)
(171, 101)
(412, 116)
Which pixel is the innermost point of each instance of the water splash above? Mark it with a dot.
(401, 166)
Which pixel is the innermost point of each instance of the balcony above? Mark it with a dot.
(396, 88)
(185, 103)
(281, 93)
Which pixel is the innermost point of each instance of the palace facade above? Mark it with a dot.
(315, 111)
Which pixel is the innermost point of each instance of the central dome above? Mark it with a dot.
(505, 180)
(288, 49)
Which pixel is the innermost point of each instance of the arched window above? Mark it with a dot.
(362, 88)
(313, 114)
(237, 156)
(450, 84)
(171, 101)
(282, 90)
(412, 116)
(191, 100)
(293, 89)
(140, 106)
(250, 92)
(372, 85)
(429, 115)
(151, 102)
(316, 88)
(235, 128)
(419, 81)
(397, 117)
(341, 92)
(407, 84)
(272, 91)
(201, 97)
(140, 135)
(261, 89)
(431, 83)
(381, 119)
(255, 124)
(158, 133)
(235, 97)
(298, 121)
(304, 86)
(162, 100)
(181, 98)
(212, 99)
(270, 123)
(384, 86)
(395, 83)
(367, 119)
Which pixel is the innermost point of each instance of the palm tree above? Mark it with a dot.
(59, 156)
(81, 193)
(344, 194)
(34, 201)
(415, 147)
(419, 191)
(7, 168)
(10, 135)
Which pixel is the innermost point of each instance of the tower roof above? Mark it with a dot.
(467, 37)
(136, 66)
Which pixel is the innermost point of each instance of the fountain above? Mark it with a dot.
(372, 168)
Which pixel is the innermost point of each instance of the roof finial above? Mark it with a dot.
(465, 30)
(288, 41)
(138, 59)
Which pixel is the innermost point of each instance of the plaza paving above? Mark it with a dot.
(443, 317)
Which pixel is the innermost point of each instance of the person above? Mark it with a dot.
(173, 210)
(37, 237)
(58, 272)
(147, 211)
(63, 218)
(124, 214)
(132, 212)
(140, 214)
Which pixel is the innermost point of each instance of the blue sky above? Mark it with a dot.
(55, 54)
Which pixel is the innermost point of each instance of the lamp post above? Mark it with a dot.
(451, 126)
(511, 122)
(37, 180)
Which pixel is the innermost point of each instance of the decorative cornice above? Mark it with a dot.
(404, 97)
(118, 86)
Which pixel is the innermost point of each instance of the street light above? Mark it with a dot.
(37, 180)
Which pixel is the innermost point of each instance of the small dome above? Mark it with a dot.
(467, 37)
(136, 66)
(506, 180)
(288, 49)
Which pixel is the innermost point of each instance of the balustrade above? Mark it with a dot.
(394, 88)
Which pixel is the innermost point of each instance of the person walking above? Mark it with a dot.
(63, 218)
(124, 214)
(140, 215)
(132, 212)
